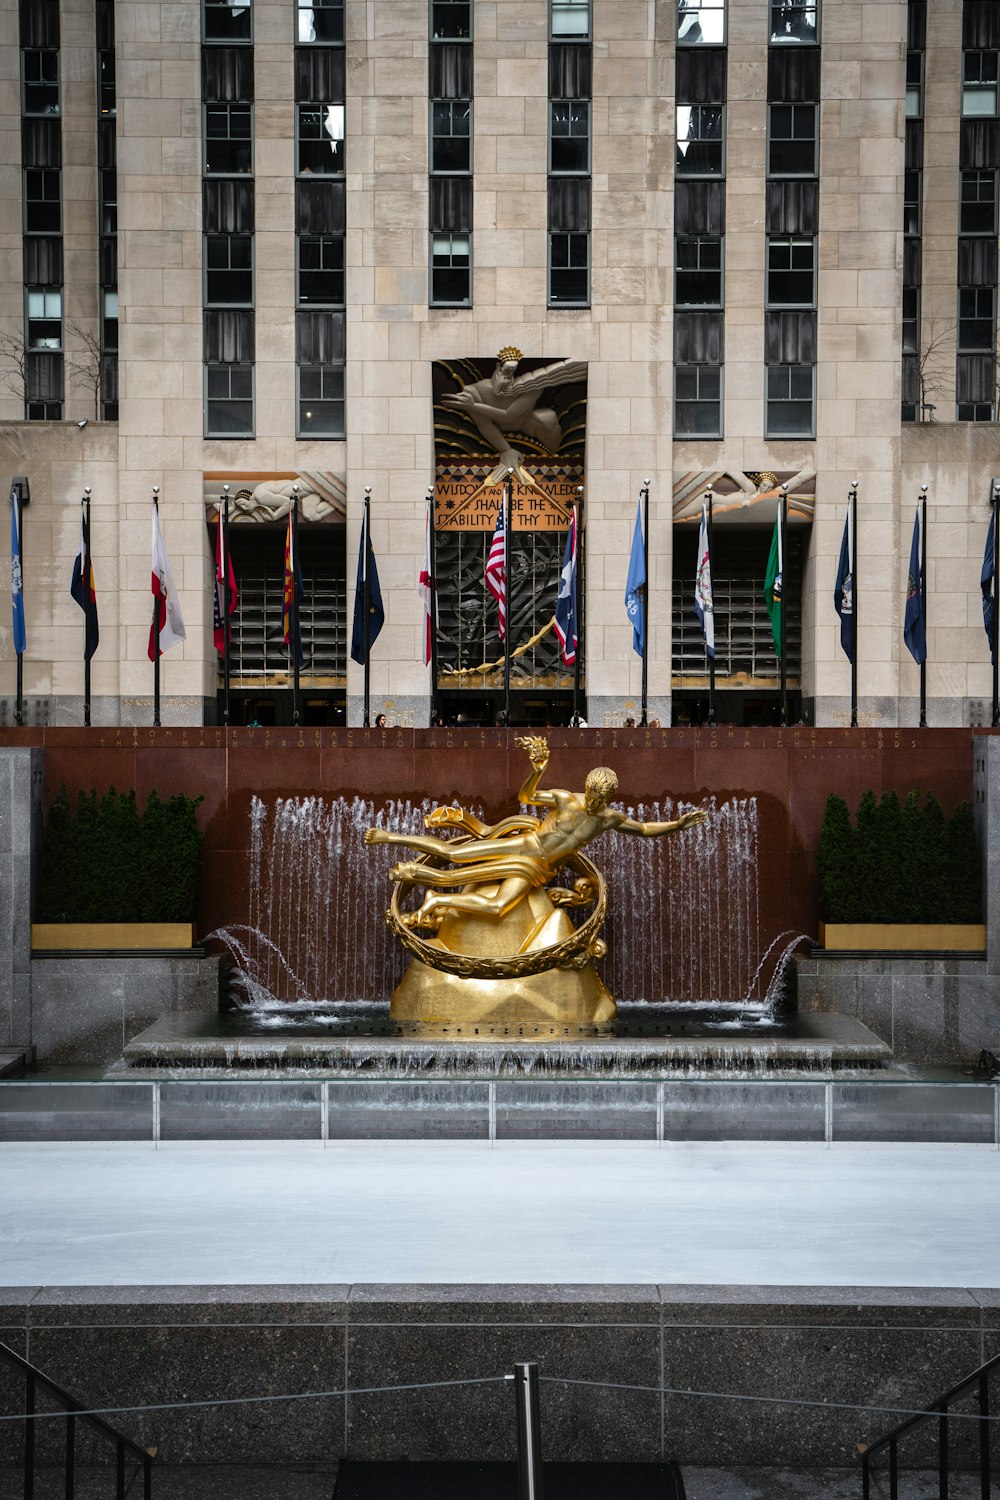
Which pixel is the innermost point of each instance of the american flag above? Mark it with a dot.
(496, 572)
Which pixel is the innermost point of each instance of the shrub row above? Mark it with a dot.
(103, 862)
(899, 863)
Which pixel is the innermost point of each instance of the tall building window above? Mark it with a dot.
(699, 206)
(320, 260)
(570, 127)
(701, 23)
(913, 402)
(791, 225)
(107, 209)
(41, 190)
(794, 21)
(227, 68)
(450, 155)
(977, 374)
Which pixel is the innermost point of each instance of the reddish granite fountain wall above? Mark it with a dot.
(788, 773)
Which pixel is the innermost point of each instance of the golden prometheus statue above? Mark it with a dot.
(501, 956)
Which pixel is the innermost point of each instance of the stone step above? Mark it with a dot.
(14, 1062)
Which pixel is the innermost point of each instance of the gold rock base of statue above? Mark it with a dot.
(559, 1000)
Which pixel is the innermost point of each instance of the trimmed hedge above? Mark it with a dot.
(899, 864)
(103, 862)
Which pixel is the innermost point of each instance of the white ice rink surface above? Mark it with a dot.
(519, 1212)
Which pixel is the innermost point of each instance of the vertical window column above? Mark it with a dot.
(699, 210)
(41, 158)
(107, 209)
(792, 222)
(320, 335)
(976, 374)
(450, 153)
(913, 397)
(228, 219)
(570, 131)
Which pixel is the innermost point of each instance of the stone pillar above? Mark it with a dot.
(986, 801)
(21, 780)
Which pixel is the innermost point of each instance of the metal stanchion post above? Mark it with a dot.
(529, 1434)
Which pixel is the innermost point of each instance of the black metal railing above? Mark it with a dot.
(978, 1383)
(75, 1411)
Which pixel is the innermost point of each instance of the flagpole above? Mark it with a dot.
(432, 548)
(577, 622)
(711, 659)
(224, 523)
(995, 642)
(156, 633)
(295, 621)
(366, 585)
(853, 503)
(644, 717)
(923, 602)
(15, 501)
(86, 595)
(508, 586)
(783, 618)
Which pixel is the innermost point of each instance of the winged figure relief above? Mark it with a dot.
(505, 403)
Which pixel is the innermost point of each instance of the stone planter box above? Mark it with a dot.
(105, 936)
(903, 937)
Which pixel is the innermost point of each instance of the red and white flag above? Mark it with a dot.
(496, 572)
(427, 592)
(166, 604)
(223, 565)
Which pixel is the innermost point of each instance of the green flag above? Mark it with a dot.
(773, 587)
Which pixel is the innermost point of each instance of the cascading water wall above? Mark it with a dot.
(683, 910)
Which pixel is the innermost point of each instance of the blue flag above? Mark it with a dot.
(17, 577)
(989, 584)
(565, 626)
(914, 623)
(843, 591)
(365, 633)
(635, 587)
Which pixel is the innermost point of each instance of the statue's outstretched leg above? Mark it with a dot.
(507, 897)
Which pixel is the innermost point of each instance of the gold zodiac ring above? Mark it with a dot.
(572, 953)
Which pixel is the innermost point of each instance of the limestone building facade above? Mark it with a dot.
(238, 239)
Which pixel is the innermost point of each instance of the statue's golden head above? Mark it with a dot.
(509, 355)
(600, 787)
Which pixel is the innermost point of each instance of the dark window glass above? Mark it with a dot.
(109, 202)
(698, 274)
(569, 261)
(451, 144)
(321, 401)
(914, 85)
(700, 135)
(43, 306)
(569, 19)
(911, 203)
(42, 202)
(794, 21)
(790, 279)
(698, 401)
(792, 140)
(975, 411)
(701, 23)
(321, 21)
(569, 140)
(321, 268)
(979, 83)
(451, 270)
(976, 317)
(789, 400)
(107, 88)
(911, 319)
(41, 82)
(225, 22)
(229, 400)
(228, 142)
(978, 208)
(320, 139)
(451, 20)
(228, 270)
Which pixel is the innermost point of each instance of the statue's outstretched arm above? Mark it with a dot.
(655, 830)
(538, 753)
